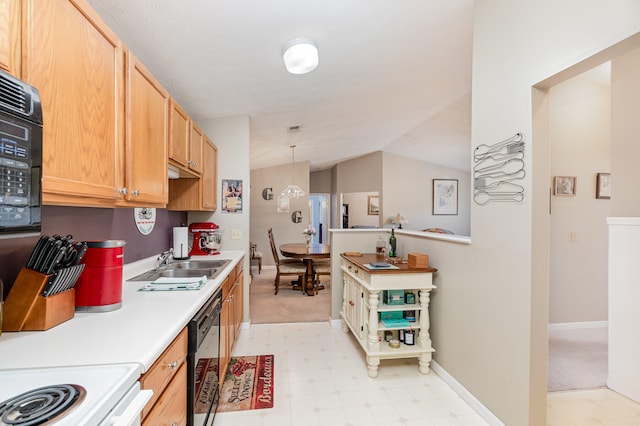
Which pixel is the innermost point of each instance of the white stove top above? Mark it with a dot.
(105, 385)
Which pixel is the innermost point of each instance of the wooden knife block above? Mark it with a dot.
(27, 310)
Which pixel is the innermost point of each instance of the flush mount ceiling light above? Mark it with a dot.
(300, 55)
(293, 190)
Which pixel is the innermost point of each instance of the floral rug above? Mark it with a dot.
(248, 384)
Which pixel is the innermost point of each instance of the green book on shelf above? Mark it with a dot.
(395, 322)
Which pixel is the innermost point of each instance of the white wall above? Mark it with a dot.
(408, 189)
(515, 46)
(625, 123)
(358, 203)
(264, 214)
(231, 137)
(580, 139)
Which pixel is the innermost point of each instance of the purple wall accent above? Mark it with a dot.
(91, 224)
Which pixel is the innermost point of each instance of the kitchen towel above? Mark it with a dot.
(173, 284)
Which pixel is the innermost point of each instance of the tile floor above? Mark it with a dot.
(321, 379)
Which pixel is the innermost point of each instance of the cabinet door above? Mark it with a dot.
(10, 36)
(147, 114)
(238, 300)
(354, 306)
(171, 407)
(209, 177)
(76, 62)
(179, 128)
(195, 149)
(225, 319)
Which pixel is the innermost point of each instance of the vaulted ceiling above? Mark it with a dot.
(393, 76)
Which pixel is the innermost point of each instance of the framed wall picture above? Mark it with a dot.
(373, 204)
(445, 196)
(232, 195)
(603, 186)
(564, 185)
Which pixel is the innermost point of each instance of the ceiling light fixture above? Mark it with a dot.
(293, 190)
(300, 55)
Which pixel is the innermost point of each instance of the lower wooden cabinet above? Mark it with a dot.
(167, 377)
(231, 315)
(171, 407)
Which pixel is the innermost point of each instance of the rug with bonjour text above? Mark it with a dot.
(248, 384)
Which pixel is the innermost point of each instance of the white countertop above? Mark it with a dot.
(138, 332)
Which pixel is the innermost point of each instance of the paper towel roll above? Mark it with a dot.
(180, 242)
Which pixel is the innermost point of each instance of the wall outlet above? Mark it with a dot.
(236, 234)
(573, 236)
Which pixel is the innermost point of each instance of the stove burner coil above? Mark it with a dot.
(39, 406)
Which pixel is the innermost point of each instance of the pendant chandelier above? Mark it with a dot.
(293, 190)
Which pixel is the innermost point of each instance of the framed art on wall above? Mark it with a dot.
(603, 186)
(445, 196)
(232, 195)
(373, 205)
(564, 185)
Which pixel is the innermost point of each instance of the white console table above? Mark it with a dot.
(363, 303)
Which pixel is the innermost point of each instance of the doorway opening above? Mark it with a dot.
(319, 215)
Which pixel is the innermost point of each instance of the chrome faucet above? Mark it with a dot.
(164, 258)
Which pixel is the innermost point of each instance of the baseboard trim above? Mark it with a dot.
(336, 323)
(467, 396)
(575, 325)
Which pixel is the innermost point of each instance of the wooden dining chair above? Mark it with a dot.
(256, 257)
(285, 267)
(320, 267)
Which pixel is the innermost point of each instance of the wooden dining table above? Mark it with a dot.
(307, 253)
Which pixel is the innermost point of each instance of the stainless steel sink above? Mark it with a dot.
(185, 269)
(197, 264)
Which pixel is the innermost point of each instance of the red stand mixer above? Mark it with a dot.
(206, 239)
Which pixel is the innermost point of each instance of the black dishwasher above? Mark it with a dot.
(203, 363)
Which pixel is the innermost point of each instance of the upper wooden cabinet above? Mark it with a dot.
(10, 36)
(179, 135)
(185, 142)
(77, 64)
(198, 193)
(209, 178)
(195, 148)
(89, 89)
(147, 118)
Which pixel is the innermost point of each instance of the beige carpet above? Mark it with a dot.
(578, 359)
(288, 305)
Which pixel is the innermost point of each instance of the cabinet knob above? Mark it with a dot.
(351, 302)
(135, 192)
(173, 365)
(174, 424)
(123, 191)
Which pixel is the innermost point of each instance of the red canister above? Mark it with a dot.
(99, 288)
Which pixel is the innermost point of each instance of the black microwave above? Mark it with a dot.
(20, 156)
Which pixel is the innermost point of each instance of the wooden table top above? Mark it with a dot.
(364, 258)
(302, 251)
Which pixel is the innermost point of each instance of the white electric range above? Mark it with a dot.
(76, 395)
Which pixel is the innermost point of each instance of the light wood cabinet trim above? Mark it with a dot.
(171, 407)
(164, 369)
(10, 36)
